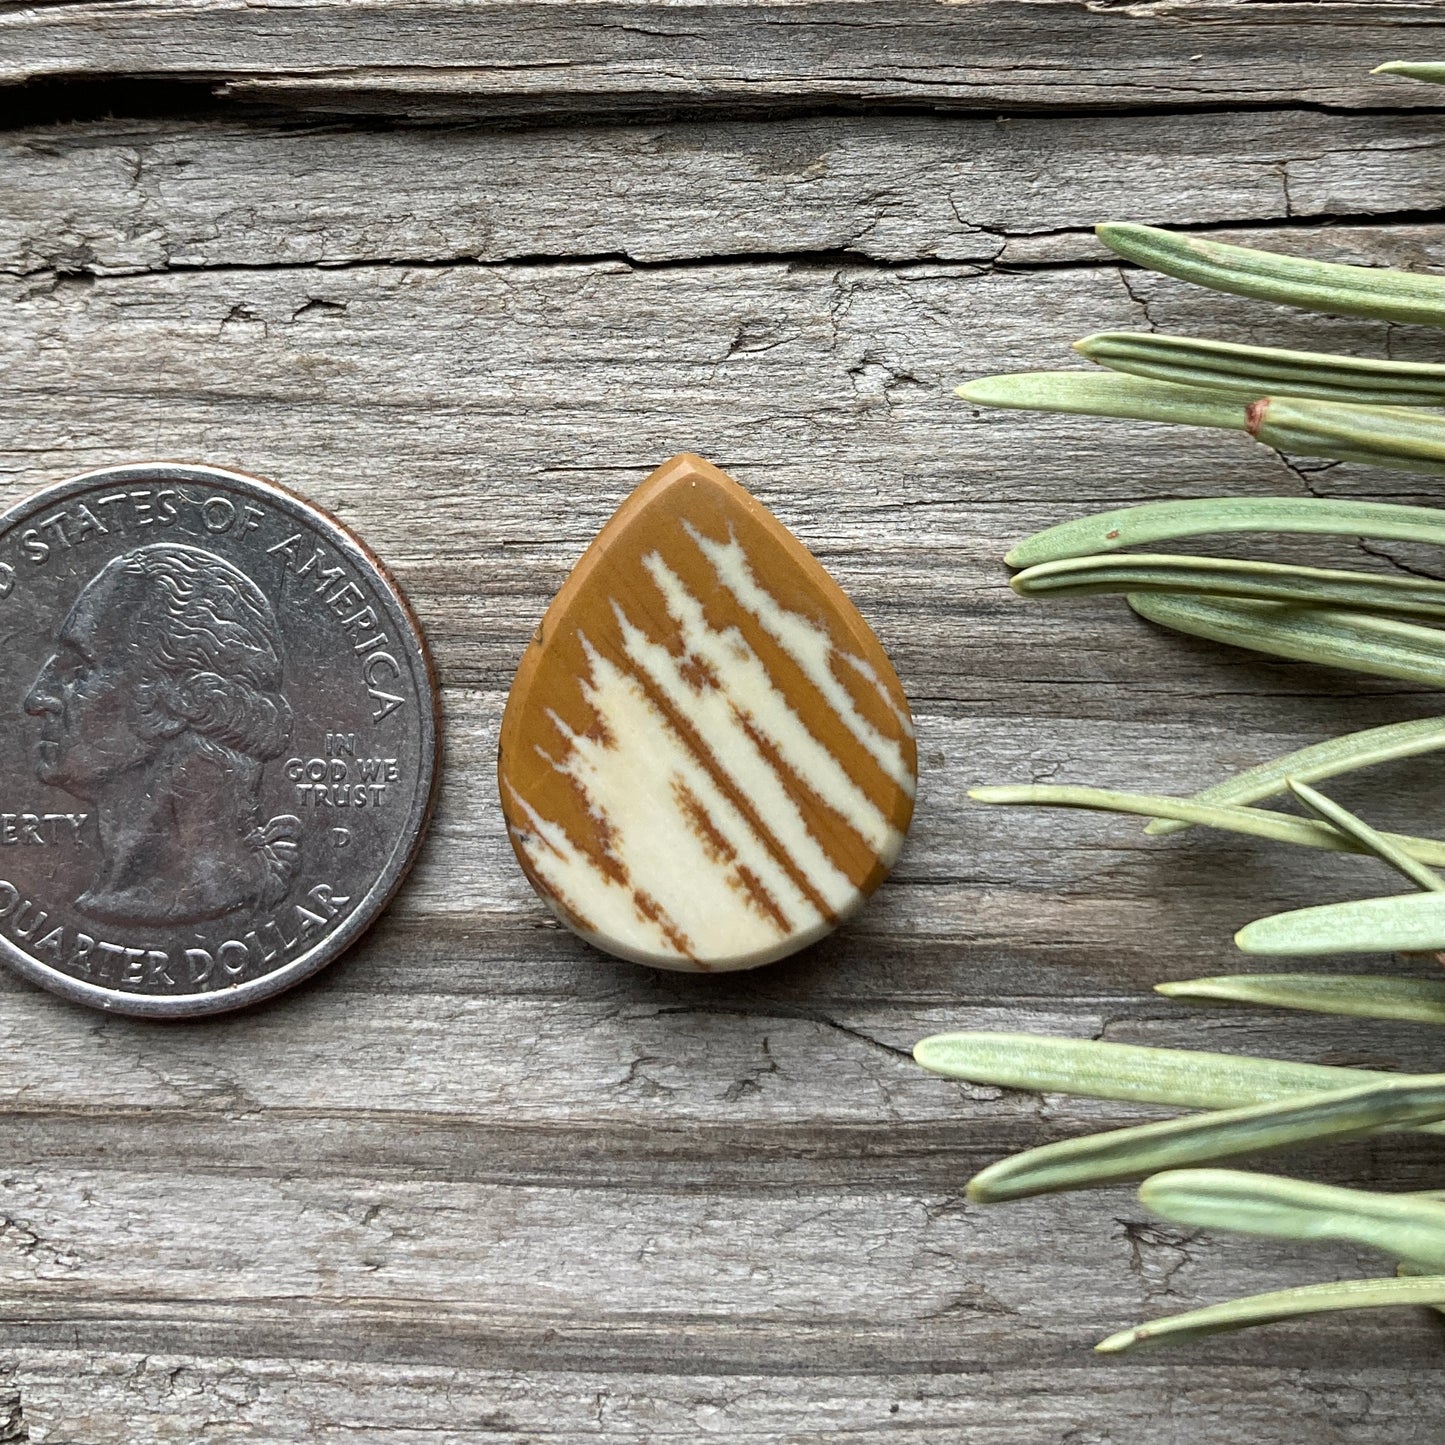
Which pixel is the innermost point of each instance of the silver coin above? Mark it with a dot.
(220, 725)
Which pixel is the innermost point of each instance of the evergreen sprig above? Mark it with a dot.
(1352, 409)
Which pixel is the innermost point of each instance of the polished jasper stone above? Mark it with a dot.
(707, 761)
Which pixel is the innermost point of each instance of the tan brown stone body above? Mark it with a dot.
(706, 761)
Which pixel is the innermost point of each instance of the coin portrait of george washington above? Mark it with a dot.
(163, 701)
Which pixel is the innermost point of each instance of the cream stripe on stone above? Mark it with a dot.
(809, 646)
(628, 781)
(746, 684)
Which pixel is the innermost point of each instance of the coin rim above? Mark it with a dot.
(403, 855)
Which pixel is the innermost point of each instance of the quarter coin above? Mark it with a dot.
(222, 739)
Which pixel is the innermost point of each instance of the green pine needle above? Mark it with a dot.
(1404, 923)
(1284, 1304)
(1131, 1073)
(1383, 294)
(1432, 72)
(1334, 637)
(1256, 822)
(1152, 522)
(1323, 760)
(1255, 371)
(1403, 438)
(1366, 996)
(1401, 1225)
(1203, 1138)
(1328, 811)
(1231, 577)
(1103, 393)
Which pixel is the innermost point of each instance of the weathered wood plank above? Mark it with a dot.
(133, 1399)
(626, 1063)
(121, 197)
(477, 1182)
(616, 1278)
(482, 56)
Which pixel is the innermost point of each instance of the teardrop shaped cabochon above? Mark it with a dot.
(706, 760)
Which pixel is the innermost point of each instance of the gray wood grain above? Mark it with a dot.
(477, 1182)
(112, 198)
(285, 1401)
(504, 57)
